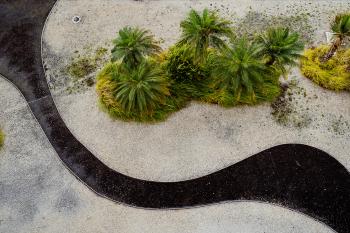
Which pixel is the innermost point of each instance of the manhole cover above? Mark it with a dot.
(76, 19)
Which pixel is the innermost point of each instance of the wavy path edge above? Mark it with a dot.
(258, 178)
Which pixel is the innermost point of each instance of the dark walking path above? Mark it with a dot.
(297, 176)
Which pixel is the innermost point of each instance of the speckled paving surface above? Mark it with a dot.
(296, 176)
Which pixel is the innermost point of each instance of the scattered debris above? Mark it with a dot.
(286, 110)
(82, 69)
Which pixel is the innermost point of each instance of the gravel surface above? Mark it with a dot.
(201, 138)
(39, 195)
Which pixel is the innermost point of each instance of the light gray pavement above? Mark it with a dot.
(39, 195)
(201, 138)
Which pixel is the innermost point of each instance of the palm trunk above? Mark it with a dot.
(335, 46)
(238, 96)
(271, 61)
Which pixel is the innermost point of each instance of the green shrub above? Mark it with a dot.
(333, 74)
(204, 30)
(240, 70)
(141, 84)
(107, 84)
(2, 138)
(190, 81)
(180, 66)
(141, 89)
(132, 45)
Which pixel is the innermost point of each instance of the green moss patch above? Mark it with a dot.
(287, 110)
(82, 68)
(2, 138)
(255, 22)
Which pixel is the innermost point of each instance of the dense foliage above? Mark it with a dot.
(208, 64)
(180, 66)
(332, 74)
(204, 31)
(141, 89)
(280, 47)
(132, 45)
(240, 68)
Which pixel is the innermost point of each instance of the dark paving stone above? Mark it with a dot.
(296, 176)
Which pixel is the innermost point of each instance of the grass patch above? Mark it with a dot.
(339, 126)
(333, 74)
(2, 138)
(255, 22)
(82, 68)
(287, 111)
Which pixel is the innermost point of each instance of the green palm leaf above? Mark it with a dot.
(141, 89)
(281, 48)
(132, 45)
(341, 29)
(204, 31)
(239, 68)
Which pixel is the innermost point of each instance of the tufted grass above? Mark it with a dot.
(2, 138)
(333, 74)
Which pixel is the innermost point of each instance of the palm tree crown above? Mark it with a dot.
(341, 29)
(239, 68)
(280, 47)
(132, 45)
(203, 31)
(141, 89)
(341, 25)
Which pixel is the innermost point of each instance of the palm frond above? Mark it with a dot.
(204, 31)
(132, 45)
(141, 89)
(280, 47)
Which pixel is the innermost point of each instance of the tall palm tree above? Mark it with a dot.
(132, 45)
(141, 89)
(341, 29)
(204, 31)
(239, 68)
(280, 47)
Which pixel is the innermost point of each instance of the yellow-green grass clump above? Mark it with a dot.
(2, 138)
(333, 74)
(106, 88)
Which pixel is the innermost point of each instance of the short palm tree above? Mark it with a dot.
(341, 29)
(132, 45)
(280, 47)
(239, 68)
(141, 89)
(204, 31)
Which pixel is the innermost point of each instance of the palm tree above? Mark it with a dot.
(204, 31)
(239, 68)
(280, 47)
(141, 89)
(132, 45)
(341, 29)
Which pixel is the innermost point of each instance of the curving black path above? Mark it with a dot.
(296, 176)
